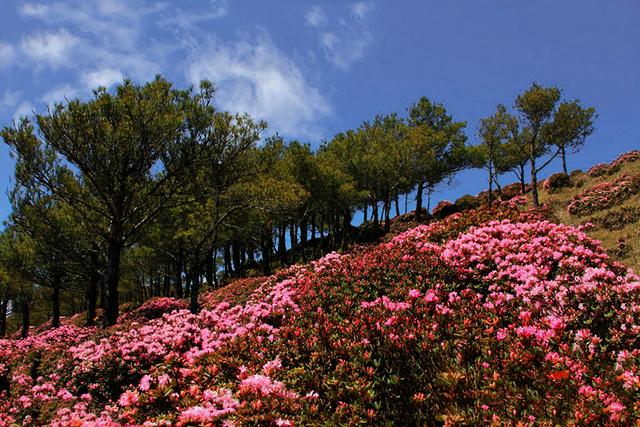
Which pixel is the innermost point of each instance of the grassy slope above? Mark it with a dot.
(559, 200)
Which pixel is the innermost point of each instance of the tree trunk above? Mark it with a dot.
(209, 268)
(92, 288)
(178, 278)
(331, 230)
(235, 254)
(187, 284)
(387, 216)
(397, 202)
(374, 208)
(365, 212)
(419, 200)
(303, 232)
(313, 225)
(25, 319)
(3, 316)
(243, 257)
(266, 245)
(429, 192)
(534, 182)
(523, 185)
(564, 160)
(166, 280)
(282, 244)
(55, 300)
(294, 238)
(227, 260)
(114, 254)
(346, 226)
(490, 195)
(214, 261)
(195, 284)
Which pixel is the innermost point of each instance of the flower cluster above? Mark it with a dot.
(556, 182)
(602, 169)
(494, 316)
(604, 195)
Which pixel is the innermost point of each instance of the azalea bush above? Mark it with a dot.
(602, 169)
(495, 316)
(556, 182)
(619, 218)
(604, 195)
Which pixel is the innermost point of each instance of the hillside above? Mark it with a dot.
(607, 196)
(491, 316)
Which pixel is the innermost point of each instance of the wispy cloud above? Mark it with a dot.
(24, 109)
(361, 9)
(106, 77)
(53, 48)
(258, 78)
(104, 41)
(316, 17)
(9, 100)
(344, 39)
(60, 93)
(7, 54)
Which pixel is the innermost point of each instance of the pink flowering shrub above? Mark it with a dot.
(604, 195)
(556, 182)
(154, 308)
(602, 169)
(495, 316)
(599, 169)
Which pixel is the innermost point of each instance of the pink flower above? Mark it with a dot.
(128, 398)
(145, 383)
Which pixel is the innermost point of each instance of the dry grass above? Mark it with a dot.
(610, 239)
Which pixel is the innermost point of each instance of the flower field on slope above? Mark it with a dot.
(604, 195)
(464, 321)
(609, 168)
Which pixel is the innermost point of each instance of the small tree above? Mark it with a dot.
(550, 123)
(108, 159)
(572, 124)
(438, 147)
(494, 132)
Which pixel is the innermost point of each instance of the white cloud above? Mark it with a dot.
(316, 17)
(348, 40)
(24, 109)
(105, 77)
(260, 79)
(361, 9)
(37, 10)
(52, 48)
(7, 54)
(9, 100)
(60, 94)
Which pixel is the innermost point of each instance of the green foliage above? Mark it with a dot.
(149, 190)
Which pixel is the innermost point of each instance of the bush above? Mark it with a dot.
(602, 169)
(467, 202)
(443, 209)
(370, 232)
(465, 321)
(605, 195)
(464, 203)
(556, 182)
(618, 219)
(513, 190)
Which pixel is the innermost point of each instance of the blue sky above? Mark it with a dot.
(312, 69)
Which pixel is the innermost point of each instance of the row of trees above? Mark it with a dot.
(151, 190)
